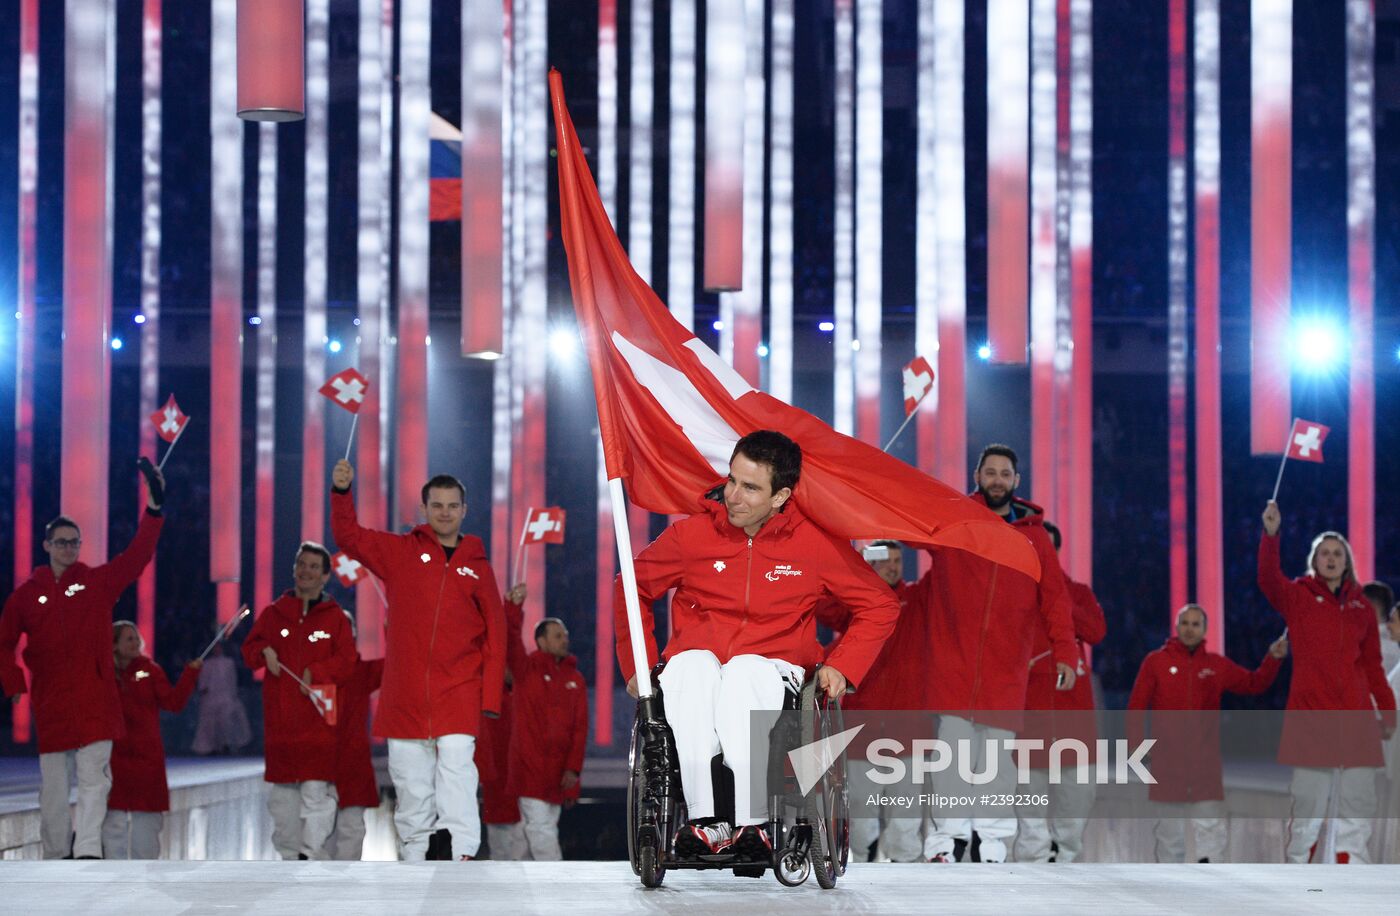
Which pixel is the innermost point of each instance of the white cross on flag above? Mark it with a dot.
(169, 420)
(347, 570)
(1305, 442)
(918, 381)
(347, 388)
(545, 526)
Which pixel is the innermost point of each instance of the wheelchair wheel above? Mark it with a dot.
(793, 867)
(830, 808)
(651, 871)
(653, 810)
(634, 798)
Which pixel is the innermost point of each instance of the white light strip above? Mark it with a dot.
(481, 248)
(743, 320)
(607, 107)
(1043, 253)
(387, 340)
(725, 42)
(843, 266)
(927, 264)
(315, 190)
(415, 115)
(780, 190)
(870, 130)
(265, 398)
(369, 285)
(680, 270)
(150, 221)
(640, 194)
(949, 230)
(533, 37)
(1361, 231)
(1080, 516)
(28, 166)
(501, 425)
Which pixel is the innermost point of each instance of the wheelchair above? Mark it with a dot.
(810, 833)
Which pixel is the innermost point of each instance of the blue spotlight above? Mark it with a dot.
(763, 349)
(827, 326)
(255, 320)
(984, 352)
(334, 346)
(139, 318)
(718, 325)
(1318, 344)
(116, 343)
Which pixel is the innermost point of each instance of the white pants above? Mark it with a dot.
(347, 841)
(1208, 824)
(997, 826)
(708, 706)
(303, 816)
(507, 842)
(435, 781)
(1061, 823)
(541, 826)
(897, 828)
(1355, 810)
(131, 834)
(92, 766)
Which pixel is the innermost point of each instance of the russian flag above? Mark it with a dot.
(444, 171)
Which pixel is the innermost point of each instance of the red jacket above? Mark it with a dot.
(1336, 648)
(138, 760)
(297, 742)
(355, 781)
(551, 710)
(1185, 761)
(1065, 713)
(445, 656)
(898, 680)
(69, 653)
(737, 595)
(498, 805)
(984, 621)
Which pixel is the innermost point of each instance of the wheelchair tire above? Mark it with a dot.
(830, 807)
(650, 870)
(634, 795)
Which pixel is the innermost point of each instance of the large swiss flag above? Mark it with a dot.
(670, 410)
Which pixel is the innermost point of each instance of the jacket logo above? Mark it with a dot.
(424, 557)
(318, 634)
(782, 569)
(1172, 669)
(74, 589)
(141, 675)
(43, 599)
(286, 632)
(719, 566)
(1205, 673)
(571, 685)
(468, 571)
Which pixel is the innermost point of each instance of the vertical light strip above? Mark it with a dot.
(370, 305)
(481, 183)
(1080, 516)
(1043, 122)
(1361, 216)
(927, 265)
(415, 47)
(1210, 470)
(1063, 359)
(640, 94)
(316, 192)
(869, 205)
(843, 222)
(534, 288)
(150, 289)
(1008, 123)
(265, 434)
(1271, 204)
(24, 324)
(724, 145)
(745, 307)
(501, 425)
(225, 311)
(680, 270)
(86, 398)
(780, 199)
(606, 168)
(1176, 308)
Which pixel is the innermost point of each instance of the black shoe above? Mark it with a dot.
(698, 840)
(1054, 850)
(751, 841)
(303, 857)
(1204, 860)
(440, 846)
(89, 857)
(960, 849)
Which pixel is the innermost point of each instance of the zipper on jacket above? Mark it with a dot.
(743, 621)
(432, 641)
(981, 644)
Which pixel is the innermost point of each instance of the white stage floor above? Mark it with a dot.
(579, 888)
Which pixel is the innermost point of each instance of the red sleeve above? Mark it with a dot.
(1271, 578)
(493, 662)
(341, 664)
(1089, 625)
(1381, 693)
(256, 641)
(515, 640)
(578, 739)
(832, 614)
(11, 628)
(173, 699)
(372, 548)
(660, 567)
(873, 609)
(1140, 700)
(124, 569)
(1055, 605)
(374, 676)
(1239, 679)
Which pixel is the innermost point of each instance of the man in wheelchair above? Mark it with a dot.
(747, 574)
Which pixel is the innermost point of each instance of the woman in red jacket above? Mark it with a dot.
(1331, 733)
(140, 794)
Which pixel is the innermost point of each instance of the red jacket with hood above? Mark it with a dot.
(1336, 647)
(1187, 686)
(297, 742)
(445, 656)
(1069, 713)
(498, 805)
(355, 782)
(741, 595)
(69, 653)
(984, 620)
(551, 715)
(899, 677)
(138, 759)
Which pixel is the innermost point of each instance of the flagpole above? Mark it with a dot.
(1284, 463)
(622, 534)
(917, 405)
(315, 697)
(353, 422)
(225, 630)
(171, 447)
(522, 548)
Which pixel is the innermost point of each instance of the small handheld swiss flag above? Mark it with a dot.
(918, 381)
(545, 526)
(169, 420)
(347, 388)
(347, 570)
(1305, 442)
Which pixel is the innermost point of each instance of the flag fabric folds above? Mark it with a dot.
(918, 382)
(347, 388)
(545, 526)
(670, 410)
(1305, 441)
(169, 421)
(444, 171)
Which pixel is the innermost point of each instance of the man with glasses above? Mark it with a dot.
(65, 610)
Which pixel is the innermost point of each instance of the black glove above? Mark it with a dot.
(153, 484)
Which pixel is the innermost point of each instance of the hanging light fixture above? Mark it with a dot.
(271, 60)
